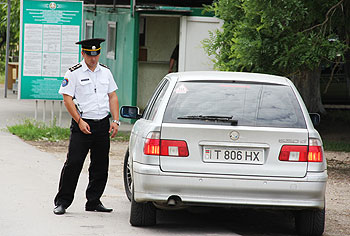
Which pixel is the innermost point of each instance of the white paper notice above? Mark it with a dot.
(51, 64)
(67, 61)
(33, 37)
(49, 50)
(32, 64)
(52, 38)
(70, 35)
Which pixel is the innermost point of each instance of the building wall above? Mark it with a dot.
(122, 67)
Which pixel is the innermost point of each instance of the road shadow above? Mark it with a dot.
(218, 221)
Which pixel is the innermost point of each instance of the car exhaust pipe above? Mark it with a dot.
(174, 201)
(171, 202)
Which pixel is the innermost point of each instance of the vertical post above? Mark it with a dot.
(36, 110)
(60, 115)
(95, 7)
(132, 7)
(7, 44)
(44, 110)
(52, 111)
(135, 22)
(182, 42)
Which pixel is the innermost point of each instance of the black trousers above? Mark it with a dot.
(79, 145)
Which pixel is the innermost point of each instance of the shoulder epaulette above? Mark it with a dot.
(73, 68)
(104, 66)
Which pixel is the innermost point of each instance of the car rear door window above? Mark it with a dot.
(154, 102)
(250, 104)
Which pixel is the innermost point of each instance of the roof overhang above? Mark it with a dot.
(150, 3)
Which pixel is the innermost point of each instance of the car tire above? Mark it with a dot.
(127, 175)
(142, 213)
(310, 222)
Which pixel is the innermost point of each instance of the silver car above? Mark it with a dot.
(226, 139)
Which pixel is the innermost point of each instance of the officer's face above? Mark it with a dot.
(91, 61)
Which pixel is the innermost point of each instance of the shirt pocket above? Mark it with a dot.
(85, 86)
(103, 86)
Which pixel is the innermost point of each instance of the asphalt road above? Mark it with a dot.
(29, 180)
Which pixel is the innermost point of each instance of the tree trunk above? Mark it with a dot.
(308, 84)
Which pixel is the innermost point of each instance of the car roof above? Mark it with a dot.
(224, 75)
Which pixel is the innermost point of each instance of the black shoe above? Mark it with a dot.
(59, 210)
(98, 208)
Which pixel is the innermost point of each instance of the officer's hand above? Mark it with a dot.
(114, 129)
(84, 127)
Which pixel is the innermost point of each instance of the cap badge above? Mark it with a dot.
(93, 47)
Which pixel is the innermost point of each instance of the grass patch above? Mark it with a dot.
(2, 77)
(31, 130)
(337, 146)
(335, 130)
(122, 136)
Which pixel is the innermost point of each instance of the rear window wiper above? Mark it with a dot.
(227, 119)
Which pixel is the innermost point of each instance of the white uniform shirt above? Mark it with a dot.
(90, 88)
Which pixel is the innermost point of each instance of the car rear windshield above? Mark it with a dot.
(223, 103)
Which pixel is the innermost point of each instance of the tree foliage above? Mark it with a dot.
(14, 29)
(282, 37)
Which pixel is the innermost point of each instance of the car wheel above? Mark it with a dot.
(142, 213)
(127, 175)
(310, 222)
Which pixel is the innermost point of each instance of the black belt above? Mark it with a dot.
(97, 120)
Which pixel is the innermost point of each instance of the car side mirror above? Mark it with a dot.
(130, 112)
(315, 118)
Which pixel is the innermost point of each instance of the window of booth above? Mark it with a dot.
(111, 39)
(89, 29)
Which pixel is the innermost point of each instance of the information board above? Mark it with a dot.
(49, 31)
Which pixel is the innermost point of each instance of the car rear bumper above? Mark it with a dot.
(151, 184)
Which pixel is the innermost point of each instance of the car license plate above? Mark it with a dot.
(233, 155)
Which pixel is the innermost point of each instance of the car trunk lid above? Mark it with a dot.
(238, 150)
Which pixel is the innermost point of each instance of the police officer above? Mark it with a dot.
(89, 95)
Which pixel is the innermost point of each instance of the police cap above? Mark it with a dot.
(91, 46)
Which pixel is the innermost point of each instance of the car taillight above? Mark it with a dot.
(293, 153)
(297, 153)
(152, 144)
(151, 147)
(315, 151)
(173, 148)
(156, 146)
